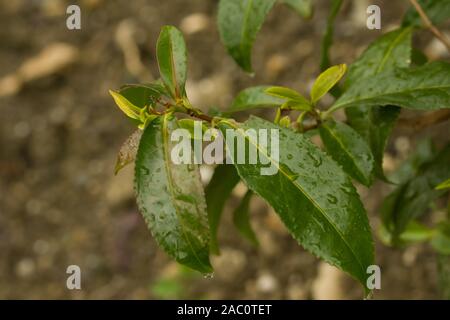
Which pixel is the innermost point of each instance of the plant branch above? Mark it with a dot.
(425, 120)
(438, 34)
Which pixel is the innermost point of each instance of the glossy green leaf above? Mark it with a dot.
(444, 185)
(327, 40)
(219, 189)
(241, 219)
(303, 7)
(171, 199)
(327, 80)
(128, 150)
(437, 10)
(413, 197)
(172, 60)
(239, 22)
(392, 50)
(349, 150)
(375, 123)
(254, 97)
(313, 196)
(422, 88)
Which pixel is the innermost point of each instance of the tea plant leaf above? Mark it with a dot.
(189, 125)
(241, 219)
(422, 88)
(326, 81)
(171, 199)
(413, 197)
(239, 22)
(254, 97)
(125, 105)
(437, 10)
(172, 60)
(142, 95)
(303, 7)
(327, 40)
(128, 150)
(444, 185)
(313, 196)
(349, 150)
(375, 123)
(222, 183)
(390, 51)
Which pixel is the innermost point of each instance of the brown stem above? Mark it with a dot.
(425, 120)
(438, 34)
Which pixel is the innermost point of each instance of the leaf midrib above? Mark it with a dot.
(316, 205)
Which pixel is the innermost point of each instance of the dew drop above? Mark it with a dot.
(331, 199)
(290, 156)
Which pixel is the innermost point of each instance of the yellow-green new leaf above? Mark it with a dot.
(444, 185)
(126, 106)
(326, 81)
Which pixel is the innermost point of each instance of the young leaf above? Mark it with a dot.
(286, 93)
(171, 199)
(422, 88)
(437, 10)
(303, 7)
(128, 150)
(254, 97)
(172, 60)
(142, 95)
(444, 185)
(349, 150)
(126, 106)
(327, 40)
(412, 198)
(239, 22)
(326, 81)
(375, 123)
(241, 219)
(189, 124)
(217, 192)
(313, 196)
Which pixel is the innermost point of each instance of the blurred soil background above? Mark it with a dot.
(60, 203)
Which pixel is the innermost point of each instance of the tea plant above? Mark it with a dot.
(312, 190)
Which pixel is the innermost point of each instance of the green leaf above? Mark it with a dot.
(217, 192)
(172, 61)
(189, 124)
(327, 40)
(437, 10)
(349, 150)
(254, 97)
(239, 22)
(241, 219)
(128, 150)
(170, 197)
(422, 88)
(303, 7)
(326, 81)
(413, 197)
(375, 123)
(392, 50)
(286, 93)
(441, 239)
(142, 95)
(414, 232)
(126, 106)
(444, 185)
(313, 196)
